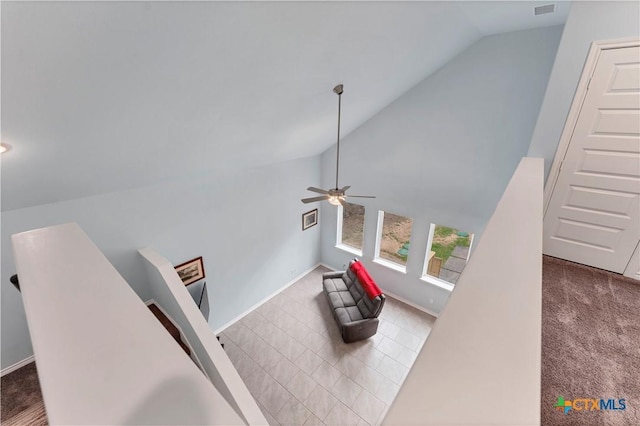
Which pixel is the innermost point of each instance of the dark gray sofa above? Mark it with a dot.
(353, 310)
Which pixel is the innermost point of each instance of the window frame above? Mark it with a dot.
(430, 279)
(380, 260)
(346, 247)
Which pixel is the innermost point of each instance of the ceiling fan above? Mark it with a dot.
(336, 196)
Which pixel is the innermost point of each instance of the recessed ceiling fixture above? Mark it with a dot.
(547, 8)
(335, 196)
(4, 148)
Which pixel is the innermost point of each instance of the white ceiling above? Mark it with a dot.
(100, 97)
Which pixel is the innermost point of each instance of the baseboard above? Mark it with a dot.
(327, 266)
(412, 304)
(17, 365)
(266, 299)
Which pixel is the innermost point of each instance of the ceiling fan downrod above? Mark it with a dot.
(338, 90)
(335, 196)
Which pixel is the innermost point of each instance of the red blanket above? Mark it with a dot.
(365, 279)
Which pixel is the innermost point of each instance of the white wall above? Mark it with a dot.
(444, 151)
(587, 22)
(246, 225)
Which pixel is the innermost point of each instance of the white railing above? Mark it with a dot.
(481, 362)
(103, 358)
(168, 290)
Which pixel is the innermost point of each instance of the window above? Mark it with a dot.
(447, 253)
(392, 242)
(351, 228)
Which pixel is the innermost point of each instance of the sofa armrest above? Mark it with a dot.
(359, 330)
(357, 323)
(333, 274)
(382, 301)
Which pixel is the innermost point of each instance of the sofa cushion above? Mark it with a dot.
(349, 314)
(341, 299)
(347, 298)
(334, 284)
(349, 276)
(356, 290)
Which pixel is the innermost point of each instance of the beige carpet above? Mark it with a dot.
(590, 343)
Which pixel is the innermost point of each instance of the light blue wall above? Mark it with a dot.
(587, 22)
(444, 151)
(246, 225)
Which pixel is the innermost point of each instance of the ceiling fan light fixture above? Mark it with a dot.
(334, 200)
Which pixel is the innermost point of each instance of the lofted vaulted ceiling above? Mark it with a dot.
(104, 96)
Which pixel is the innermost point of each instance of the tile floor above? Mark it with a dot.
(291, 356)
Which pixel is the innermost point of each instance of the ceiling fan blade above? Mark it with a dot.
(345, 188)
(314, 199)
(342, 201)
(361, 196)
(318, 190)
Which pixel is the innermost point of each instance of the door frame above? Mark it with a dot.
(576, 106)
(633, 267)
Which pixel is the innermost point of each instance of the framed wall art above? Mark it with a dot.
(309, 219)
(191, 271)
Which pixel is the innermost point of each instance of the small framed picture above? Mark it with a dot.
(309, 219)
(191, 271)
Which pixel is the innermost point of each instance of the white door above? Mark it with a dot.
(593, 216)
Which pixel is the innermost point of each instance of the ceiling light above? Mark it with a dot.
(4, 148)
(334, 200)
